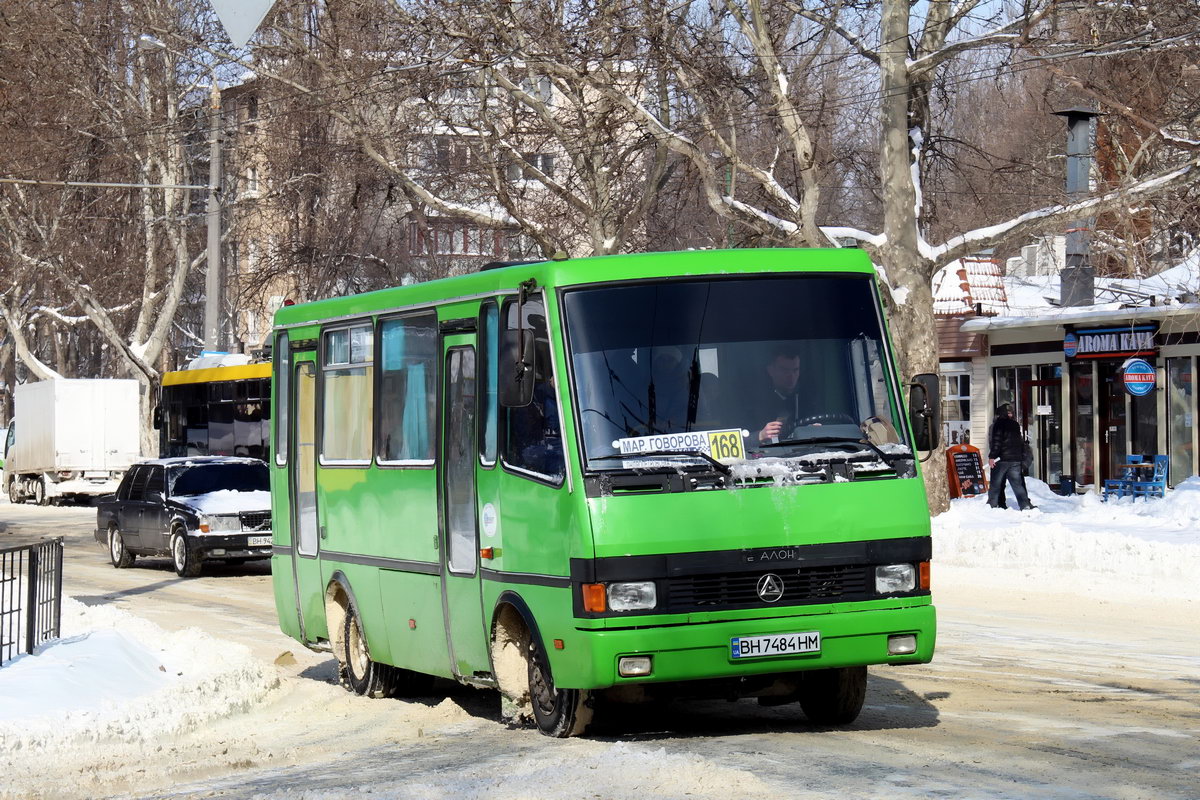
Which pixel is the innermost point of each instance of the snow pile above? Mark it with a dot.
(1081, 544)
(115, 677)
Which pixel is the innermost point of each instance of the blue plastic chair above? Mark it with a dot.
(1122, 485)
(1157, 485)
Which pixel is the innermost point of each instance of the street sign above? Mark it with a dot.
(241, 18)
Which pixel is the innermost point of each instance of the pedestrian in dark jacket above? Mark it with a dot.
(1006, 452)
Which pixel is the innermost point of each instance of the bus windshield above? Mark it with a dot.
(795, 364)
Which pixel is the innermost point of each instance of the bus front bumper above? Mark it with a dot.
(704, 650)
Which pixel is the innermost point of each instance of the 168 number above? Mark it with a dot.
(726, 445)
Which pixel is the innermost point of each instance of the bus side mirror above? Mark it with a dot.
(516, 368)
(157, 418)
(924, 407)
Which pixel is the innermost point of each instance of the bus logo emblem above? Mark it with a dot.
(770, 588)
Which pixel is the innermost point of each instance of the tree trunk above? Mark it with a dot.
(911, 299)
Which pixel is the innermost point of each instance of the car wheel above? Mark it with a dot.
(833, 696)
(39, 492)
(557, 712)
(187, 564)
(117, 552)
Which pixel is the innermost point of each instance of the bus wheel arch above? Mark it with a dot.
(338, 600)
(523, 675)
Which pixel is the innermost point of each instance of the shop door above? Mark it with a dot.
(1114, 419)
(1041, 419)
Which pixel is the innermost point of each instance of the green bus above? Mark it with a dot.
(663, 474)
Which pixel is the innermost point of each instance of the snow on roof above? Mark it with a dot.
(1033, 300)
(967, 283)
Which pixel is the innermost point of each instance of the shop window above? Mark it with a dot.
(956, 408)
(1181, 418)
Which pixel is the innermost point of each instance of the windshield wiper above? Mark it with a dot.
(842, 440)
(717, 465)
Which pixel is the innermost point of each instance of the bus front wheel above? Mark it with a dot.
(557, 712)
(833, 696)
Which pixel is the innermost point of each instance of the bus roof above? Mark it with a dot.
(578, 271)
(236, 373)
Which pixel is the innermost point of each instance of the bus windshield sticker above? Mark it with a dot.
(724, 445)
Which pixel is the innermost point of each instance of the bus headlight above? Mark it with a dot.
(632, 596)
(894, 578)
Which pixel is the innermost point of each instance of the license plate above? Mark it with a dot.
(780, 644)
(259, 541)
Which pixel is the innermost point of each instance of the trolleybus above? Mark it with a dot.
(215, 411)
(556, 479)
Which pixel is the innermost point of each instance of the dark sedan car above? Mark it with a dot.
(191, 509)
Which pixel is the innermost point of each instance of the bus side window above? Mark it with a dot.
(283, 379)
(533, 435)
(407, 389)
(489, 339)
(346, 395)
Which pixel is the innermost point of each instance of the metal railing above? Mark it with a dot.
(30, 596)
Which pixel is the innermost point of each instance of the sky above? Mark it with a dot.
(115, 674)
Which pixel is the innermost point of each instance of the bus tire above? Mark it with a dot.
(556, 712)
(833, 696)
(356, 671)
(118, 553)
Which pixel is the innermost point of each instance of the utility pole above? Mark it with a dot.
(212, 278)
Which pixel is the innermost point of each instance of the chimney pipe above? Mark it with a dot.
(1077, 278)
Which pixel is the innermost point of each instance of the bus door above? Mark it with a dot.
(462, 598)
(302, 477)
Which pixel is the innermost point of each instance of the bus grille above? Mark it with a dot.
(256, 521)
(807, 585)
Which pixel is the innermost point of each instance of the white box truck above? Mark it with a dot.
(70, 438)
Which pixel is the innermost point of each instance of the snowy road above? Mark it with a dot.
(1031, 694)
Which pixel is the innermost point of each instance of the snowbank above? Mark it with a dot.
(1121, 548)
(118, 677)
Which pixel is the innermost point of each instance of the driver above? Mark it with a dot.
(776, 407)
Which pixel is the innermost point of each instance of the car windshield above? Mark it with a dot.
(782, 366)
(205, 478)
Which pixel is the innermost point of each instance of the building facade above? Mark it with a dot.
(1092, 385)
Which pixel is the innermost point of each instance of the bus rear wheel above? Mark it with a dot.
(833, 696)
(357, 672)
(556, 712)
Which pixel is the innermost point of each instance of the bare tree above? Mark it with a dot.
(118, 256)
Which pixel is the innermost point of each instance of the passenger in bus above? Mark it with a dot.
(535, 434)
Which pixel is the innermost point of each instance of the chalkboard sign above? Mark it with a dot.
(965, 471)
